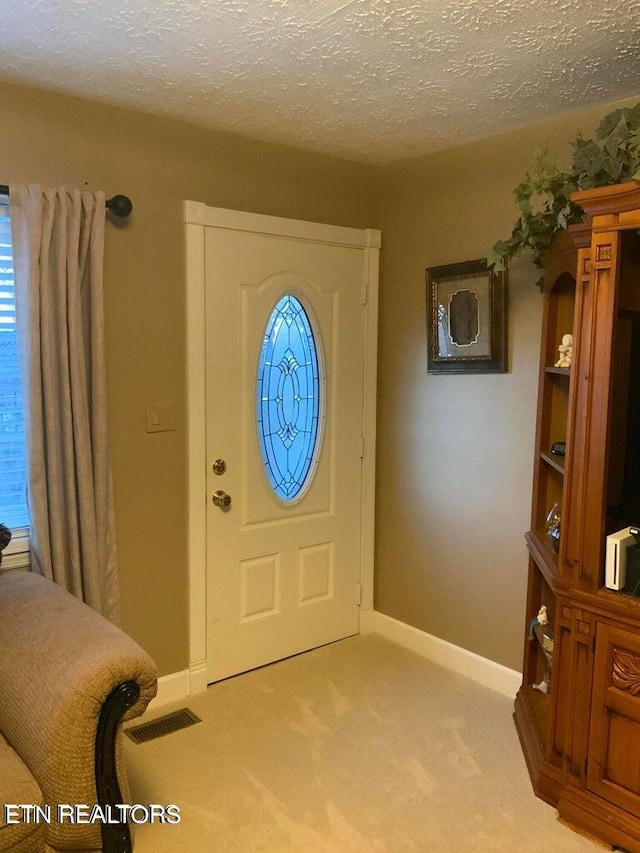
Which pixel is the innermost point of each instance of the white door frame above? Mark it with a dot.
(196, 217)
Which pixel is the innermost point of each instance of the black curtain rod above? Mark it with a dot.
(119, 205)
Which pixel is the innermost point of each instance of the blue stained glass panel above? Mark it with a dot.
(288, 398)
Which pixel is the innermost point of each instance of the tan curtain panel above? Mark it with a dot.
(58, 245)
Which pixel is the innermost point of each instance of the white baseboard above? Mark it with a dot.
(178, 686)
(198, 681)
(484, 671)
(171, 688)
(368, 621)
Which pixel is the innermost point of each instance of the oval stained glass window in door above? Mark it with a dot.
(288, 398)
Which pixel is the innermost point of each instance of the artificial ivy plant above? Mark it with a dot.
(543, 197)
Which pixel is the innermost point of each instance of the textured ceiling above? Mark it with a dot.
(368, 80)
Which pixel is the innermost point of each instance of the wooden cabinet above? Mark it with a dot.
(581, 738)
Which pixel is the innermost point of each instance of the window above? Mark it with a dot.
(288, 399)
(13, 491)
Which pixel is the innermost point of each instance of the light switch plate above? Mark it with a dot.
(160, 417)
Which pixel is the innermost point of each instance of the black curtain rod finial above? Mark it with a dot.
(120, 206)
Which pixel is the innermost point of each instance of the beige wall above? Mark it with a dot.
(56, 140)
(455, 453)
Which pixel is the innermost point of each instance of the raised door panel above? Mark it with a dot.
(613, 770)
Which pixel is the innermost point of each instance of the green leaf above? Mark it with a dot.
(543, 198)
(502, 247)
(608, 124)
(588, 158)
(617, 138)
(495, 259)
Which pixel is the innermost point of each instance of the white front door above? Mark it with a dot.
(285, 367)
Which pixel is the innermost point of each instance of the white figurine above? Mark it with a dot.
(540, 619)
(543, 686)
(565, 352)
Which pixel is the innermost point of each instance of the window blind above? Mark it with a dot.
(13, 496)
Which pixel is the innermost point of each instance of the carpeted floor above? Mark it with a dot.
(359, 746)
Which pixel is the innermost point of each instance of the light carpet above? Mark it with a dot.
(358, 746)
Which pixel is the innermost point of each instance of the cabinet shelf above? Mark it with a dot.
(558, 371)
(555, 462)
(541, 548)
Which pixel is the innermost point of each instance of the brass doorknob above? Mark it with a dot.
(219, 467)
(221, 499)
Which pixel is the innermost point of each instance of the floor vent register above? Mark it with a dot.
(162, 726)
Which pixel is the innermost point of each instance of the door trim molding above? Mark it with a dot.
(197, 216)
(196, 446)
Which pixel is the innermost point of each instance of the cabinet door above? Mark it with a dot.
(613, 770)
